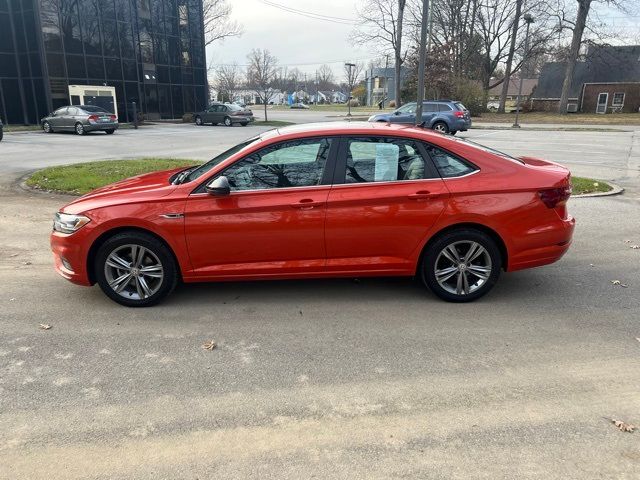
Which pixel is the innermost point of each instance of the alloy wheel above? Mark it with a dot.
(79, 129)
(440, 127)
(46, 127)
(133, 272)
(463, 267)
(228, 122)
(198, 121)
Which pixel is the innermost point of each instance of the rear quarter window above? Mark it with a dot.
(449, 165)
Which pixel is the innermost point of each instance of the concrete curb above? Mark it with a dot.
(615, 190)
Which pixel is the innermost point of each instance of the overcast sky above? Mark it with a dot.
(296, 41)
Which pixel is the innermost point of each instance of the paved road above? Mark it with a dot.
(327, 379)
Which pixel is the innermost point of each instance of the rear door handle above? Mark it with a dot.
(421, 195)
(306, 204)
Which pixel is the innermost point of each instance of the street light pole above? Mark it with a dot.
(422, 62)
(350, 80)
(529, 20)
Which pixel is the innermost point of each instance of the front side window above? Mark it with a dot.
(449, 165)
(408, 108)
(379, 159)
(298, 163)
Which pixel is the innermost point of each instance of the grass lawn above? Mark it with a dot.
(571, 118)
(21, 128)
(83, 177)
(583, 185)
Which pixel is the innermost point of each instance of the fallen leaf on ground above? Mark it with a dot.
(627, 241)
(45, 326)
(210, 345)
(620, 284)
(26, 263)
(635, 247)
(13, 255)
(591, 265)
(638, 338)
(622, 426)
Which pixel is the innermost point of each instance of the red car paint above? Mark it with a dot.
(364, 229)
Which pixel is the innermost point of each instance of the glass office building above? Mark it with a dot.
(151, 51)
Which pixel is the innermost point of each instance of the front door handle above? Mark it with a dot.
(421, 195)
(306, 204)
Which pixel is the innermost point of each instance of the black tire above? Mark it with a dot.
(199, 121)
(158, 253)
(46, 127)
(244, 124)
(441, 127)
(79, 129)
(110, 132)
(435, 258)
(228, 122)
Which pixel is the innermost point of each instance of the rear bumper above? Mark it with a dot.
(544, 246)
(70, 257)
(243, 119)
(94, 127)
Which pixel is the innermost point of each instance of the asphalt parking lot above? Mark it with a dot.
(370, 379)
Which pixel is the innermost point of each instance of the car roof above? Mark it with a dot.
(350, 128)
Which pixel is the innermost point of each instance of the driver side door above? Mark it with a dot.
(57, 119)
(272, 223)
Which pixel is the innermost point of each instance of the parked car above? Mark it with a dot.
(300, 106)
(510, 106)
(445, 116)
(322, 200)
(80, 119)
(228, 114)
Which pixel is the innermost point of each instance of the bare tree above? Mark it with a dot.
(227, 80)
(382, 24)
(261, 72)
(217, 21)
(352, 73)
(325, 77)
(509, 64)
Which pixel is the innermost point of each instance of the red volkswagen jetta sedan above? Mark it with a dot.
(324, 200)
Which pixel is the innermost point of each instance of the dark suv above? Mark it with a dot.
(446, 116)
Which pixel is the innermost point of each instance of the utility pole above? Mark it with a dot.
(529, 20)
(422, 61)
(386, 79)
(350, 79)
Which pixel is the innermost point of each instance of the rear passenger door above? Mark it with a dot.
(70, 119)
(429, 112)
(386, 196)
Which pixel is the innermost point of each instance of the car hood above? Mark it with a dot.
(140, 188)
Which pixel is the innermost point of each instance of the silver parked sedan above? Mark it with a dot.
(80, 119)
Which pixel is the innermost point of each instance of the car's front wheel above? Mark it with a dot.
(461, 265)
(79, 129)
(228, 122)
(135, 269)
(46, 126)
(199, 121)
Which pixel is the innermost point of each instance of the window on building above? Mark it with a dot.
(618, 99)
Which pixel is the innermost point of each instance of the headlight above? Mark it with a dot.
(65, 223)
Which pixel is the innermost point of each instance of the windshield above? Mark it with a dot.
(204, 168)
(93, 109)
(408, 108)
(490, 150)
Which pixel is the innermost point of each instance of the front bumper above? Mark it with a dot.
(70, 256)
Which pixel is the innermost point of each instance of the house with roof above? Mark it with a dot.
(528, 87)
(606, 80)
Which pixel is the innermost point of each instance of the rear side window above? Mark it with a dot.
(443, 107)
(430, 107)
(460, 106)
(449, 165)
(380, 159)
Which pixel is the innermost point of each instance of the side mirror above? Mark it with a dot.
(220, 186)
(396, 112)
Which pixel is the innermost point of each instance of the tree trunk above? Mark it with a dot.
(512, 49)
(581, 21)
(398, 50)
(265, 110)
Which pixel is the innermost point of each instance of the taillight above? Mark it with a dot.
(113, 118)
(459, 114)
(555, 197)
(93, 118)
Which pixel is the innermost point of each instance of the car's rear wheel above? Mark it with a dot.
(80, 129)
(441, 127)
(228, 122)
(135, 269)
(109, 132)
(46, 126)
(461, 265)
(199, 121)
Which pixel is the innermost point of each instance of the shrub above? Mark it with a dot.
(392, 104)
(187, 118)
(354, 102)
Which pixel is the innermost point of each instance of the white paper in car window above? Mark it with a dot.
(387, 156)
